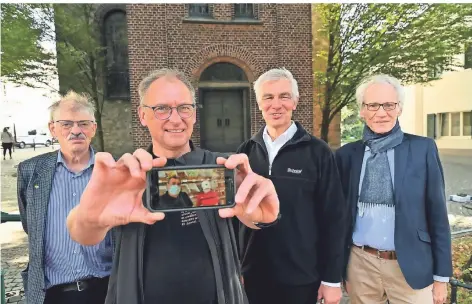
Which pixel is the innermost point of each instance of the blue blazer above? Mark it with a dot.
(422, 232)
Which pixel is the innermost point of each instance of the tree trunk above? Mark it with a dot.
(99, 135)
(324, 132)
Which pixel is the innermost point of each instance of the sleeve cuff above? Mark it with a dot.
(331, 284)
(441, 279)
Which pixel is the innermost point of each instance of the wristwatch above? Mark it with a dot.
(265, 225)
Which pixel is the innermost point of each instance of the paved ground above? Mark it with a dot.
(457, 168)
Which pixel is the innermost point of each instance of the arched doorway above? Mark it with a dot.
(224, 96)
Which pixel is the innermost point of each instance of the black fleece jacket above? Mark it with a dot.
(307, 243)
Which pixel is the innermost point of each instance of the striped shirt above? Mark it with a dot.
(65, 260)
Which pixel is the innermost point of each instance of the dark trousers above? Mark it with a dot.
(94, 294)
(6, 146)
(264, 291)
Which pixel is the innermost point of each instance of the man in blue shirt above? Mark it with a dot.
(49, 186)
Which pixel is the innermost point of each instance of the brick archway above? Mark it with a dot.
(223, 53)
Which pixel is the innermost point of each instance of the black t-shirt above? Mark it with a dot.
(177, 262)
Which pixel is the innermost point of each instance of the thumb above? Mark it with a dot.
(320, 293)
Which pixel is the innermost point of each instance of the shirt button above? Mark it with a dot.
(73, 194)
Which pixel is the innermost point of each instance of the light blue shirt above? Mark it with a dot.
(65, 260)
(375, 226)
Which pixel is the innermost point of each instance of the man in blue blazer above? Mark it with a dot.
(399, 243)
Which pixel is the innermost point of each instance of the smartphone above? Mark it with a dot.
(184, 188)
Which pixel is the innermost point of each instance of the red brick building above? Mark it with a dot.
(223, 48)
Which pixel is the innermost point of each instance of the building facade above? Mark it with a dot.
(442, 110)
(223, 48)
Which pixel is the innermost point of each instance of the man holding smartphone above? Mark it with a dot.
(160, 260)
(299, 260)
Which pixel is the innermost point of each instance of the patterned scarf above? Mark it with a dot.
(377, 186)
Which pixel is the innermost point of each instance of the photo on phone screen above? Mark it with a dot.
(190, 188)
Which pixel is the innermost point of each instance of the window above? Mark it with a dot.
(444, 124)
(199, 10)
(467, 124)
(244, 10)
(456, 124)
(431, 125)
(468, 57)
(116, 42)
(223, 71)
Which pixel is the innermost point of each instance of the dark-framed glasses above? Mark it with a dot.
(69, 124)
(375, 106)
(163, 112)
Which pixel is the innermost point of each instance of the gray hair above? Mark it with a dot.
(382, 79)
(276, 74)
(81, 103)
(168, 73)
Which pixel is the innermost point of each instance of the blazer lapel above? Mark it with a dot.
(401, 159)
(356, 165)
(41, 184)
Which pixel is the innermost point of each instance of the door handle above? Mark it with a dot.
(218, 122)
(227, 122)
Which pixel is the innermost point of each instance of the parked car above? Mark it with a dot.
(30, 140)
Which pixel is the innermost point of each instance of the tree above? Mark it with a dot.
(21, 47)
(411, 42)
(80, 55)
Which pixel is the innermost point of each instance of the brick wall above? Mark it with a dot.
(158, 37)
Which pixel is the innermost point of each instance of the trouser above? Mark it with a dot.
(7, 146)
(374, 281)
(93, 292)
(265, 291)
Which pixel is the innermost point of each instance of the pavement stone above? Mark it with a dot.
(14, 253)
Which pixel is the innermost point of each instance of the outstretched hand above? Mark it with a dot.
(256, 198)
(114, 193)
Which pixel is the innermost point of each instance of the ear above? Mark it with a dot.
(52, 129)
(141, 116)
(295, 104)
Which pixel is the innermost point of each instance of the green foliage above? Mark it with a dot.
(351, 125)
(408, 41)
(21, 47)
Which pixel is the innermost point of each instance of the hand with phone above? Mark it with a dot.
(114, 195)
(256, 198)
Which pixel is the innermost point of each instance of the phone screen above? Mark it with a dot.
(173, 189)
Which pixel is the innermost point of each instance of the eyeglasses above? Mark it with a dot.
(82, 124)
(164, 112)
(387, 106)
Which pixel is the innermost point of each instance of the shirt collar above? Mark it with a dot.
(286, 136)
(91, 162)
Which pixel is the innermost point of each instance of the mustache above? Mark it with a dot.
(76, 136)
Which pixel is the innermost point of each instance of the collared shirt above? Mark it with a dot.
(375, 227)
(273, 147)
(65, 260)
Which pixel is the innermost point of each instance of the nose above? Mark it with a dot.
(381, 112)
(75, 129)
(174, 116)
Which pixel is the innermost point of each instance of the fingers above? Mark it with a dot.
(132, 163)
(104, 159)
(140, 162)
(231, 212)
(238, 161)
(144, 158)
(159, 162)
(249, 188)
